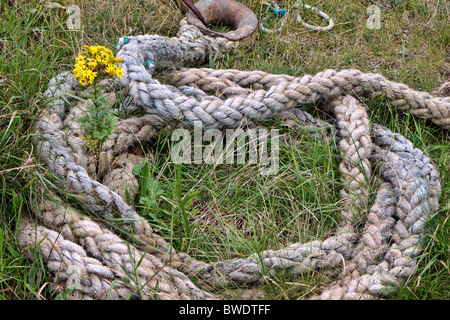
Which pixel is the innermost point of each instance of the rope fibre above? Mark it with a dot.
(86, 256)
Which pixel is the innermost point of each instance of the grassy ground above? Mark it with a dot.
(234, 210)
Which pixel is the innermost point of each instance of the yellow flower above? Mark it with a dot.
(111, 69)
(93, 50)
(96, 62)
(119, 72)
(83, 81)
(92, 64)
(90, 76)
(80, 59)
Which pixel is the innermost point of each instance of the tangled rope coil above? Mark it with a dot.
(115, 265)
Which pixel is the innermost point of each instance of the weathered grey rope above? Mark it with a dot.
(408, 173)
(395, 228)
(65, 258)
(375, 258)
(324, 85)
(144, 272)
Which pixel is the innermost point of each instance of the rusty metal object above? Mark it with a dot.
(230, 12)
(185, 4)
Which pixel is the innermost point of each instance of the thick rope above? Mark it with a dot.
(376, 244)
(282, 91)
(144, 272)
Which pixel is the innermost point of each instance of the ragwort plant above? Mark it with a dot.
(94, 64)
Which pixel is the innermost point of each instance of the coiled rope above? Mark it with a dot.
(85, 255)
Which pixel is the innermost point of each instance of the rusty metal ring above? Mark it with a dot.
(230, 12)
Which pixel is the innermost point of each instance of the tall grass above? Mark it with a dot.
(228, 211)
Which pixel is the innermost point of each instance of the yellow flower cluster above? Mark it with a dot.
(96, 62)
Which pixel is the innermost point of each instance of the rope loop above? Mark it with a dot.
(279, 13)
(299, 5)
(320, 13)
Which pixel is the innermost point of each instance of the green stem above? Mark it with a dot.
(98, 146)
